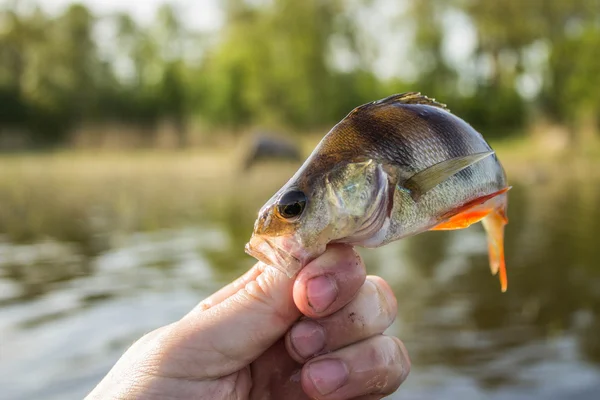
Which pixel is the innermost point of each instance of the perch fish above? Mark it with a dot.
(390, 169)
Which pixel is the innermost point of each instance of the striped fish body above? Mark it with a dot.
(390, 169)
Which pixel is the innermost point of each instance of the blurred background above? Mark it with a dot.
(139, 138)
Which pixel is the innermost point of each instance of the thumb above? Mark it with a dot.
(233, 327)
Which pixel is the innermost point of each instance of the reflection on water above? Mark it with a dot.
(67, 313)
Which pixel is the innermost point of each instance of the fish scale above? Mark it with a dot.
(390, 169)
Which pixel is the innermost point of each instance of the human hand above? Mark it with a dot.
(265, 336)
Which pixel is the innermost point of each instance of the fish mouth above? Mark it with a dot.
(280, 252)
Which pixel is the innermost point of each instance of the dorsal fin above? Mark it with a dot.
(411, 98)
(403, 98)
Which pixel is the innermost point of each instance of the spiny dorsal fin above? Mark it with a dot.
(425, 180)
(412, 98)
(403, 98)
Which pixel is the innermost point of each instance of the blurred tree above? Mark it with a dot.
(171, 33)
(297, 64)
(573, 69)
(494, 105)
(507, 29)
(272, 65)
(74, 71)
(132, 47)
(435, 76)
(15, 33)
(52, 67)
(173, 99)
(137, 71)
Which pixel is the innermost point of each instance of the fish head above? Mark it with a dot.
(314, 209)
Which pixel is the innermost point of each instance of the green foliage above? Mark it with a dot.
(271, 66)
(576, 74)
(497, 111)
(275, 64)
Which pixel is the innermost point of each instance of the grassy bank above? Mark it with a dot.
(82, 196)
(78, 196)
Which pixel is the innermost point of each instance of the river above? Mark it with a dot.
(67, 312)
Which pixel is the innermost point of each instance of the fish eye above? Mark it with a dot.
(291, 204)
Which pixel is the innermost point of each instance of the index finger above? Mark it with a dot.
(329, 282)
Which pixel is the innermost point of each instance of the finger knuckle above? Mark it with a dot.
(379, 352)
(156, 334)
(383, 355)
(386, 301)
(259, 294)
(401, 360)
(388, 355)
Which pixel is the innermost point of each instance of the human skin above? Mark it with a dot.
(266, 336)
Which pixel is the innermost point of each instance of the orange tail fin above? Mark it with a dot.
(494, 224)
(491, 211)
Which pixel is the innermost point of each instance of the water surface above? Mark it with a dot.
(69, 307)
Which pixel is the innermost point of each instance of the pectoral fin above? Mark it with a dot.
(425, 180)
